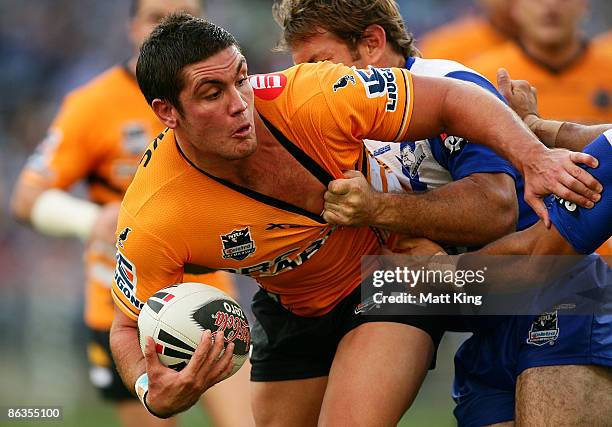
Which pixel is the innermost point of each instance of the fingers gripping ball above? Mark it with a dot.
(177, 316)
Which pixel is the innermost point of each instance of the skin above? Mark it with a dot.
(549, 30)
(522, 97)
(131, 412)
(499, 13)
(351, 201)
(218, 129)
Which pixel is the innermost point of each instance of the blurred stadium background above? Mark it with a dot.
(48, 47)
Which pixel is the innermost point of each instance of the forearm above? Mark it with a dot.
(127, 354)
(453, 214)
(53, 211)
(482, 118)
(575, 137)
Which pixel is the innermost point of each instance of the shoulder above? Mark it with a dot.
(97, 90)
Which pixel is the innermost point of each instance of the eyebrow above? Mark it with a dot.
(217, 81)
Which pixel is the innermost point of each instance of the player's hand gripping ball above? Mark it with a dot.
(177, 316)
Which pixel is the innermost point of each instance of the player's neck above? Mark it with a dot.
(557, 56)
(390, 58)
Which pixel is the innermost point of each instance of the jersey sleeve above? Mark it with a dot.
(462, 158)
(145, 263)
(375, 103)
(587, 229)
(68, 152)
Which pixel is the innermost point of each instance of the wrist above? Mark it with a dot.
(531, 120)
(58, 213)
(142, 391)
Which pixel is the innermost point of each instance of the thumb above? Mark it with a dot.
(338, 186)
(352, 174)
(503, 82)
(150, 354)
(539, 207)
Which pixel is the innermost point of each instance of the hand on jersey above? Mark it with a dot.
(350, 201)
(171, 392)
(521, 96)
(556, 171)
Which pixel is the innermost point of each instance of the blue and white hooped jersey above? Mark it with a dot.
(587, 229)
(431, 163)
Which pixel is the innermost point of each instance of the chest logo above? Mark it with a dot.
(238, 244)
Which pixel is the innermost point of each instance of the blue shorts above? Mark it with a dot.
(488, 363)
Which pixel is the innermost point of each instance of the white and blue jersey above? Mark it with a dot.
(431, 163)
(588, 229)
(488, 364)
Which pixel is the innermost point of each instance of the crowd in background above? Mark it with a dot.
(48, 47)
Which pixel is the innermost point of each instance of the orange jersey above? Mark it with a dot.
(461, 40)
(98, 136)
(581, 92)
(175, 214)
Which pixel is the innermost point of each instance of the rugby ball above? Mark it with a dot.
(177, 316)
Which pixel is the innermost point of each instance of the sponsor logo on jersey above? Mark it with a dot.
(284, 262)
(343, 82)
(273, 226)
(238, 244)
(566, 204)
(123, 237)
(380, 82)
(411, 159)
(382, 150)
(134, 138)
(453, 143)
(126, 280)
(544, 329)
(268, 86)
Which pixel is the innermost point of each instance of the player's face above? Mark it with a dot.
(549, 23)
(149, 13)
(217, 103)
(324, 46)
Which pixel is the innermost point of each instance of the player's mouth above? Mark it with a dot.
(243, 131)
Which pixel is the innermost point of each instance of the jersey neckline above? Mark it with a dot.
(260, 197)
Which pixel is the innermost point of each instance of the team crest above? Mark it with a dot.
(411, 159)
(238, 244)
(343, 82)
(544, 329)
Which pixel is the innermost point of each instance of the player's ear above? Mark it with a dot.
(166, 112)
(372, 44)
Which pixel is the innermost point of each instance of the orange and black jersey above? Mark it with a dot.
(179, 215)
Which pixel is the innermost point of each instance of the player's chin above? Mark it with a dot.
(244, 147)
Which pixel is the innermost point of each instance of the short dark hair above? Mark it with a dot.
(346, 19)
(179, 40)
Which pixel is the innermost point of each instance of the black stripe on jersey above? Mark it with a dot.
(255, 194)
(311, 166)
(127, 307)
(97, 179)
(170, 339)
(406, 106)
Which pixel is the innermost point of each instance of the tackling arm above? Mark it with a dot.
(465, 109)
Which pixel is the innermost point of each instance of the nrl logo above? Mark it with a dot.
(238, 244)
(544, 329)
(343, 82)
